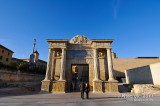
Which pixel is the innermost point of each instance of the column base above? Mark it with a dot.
(45, 86)
(59, 86)
(110, 86)
(97, 86)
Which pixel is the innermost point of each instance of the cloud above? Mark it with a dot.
(116, 4)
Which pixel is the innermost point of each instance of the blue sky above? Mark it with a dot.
(134, 24)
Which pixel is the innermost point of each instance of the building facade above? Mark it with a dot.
(5, 55)
(70, 63)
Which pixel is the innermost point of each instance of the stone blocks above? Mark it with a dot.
(45, 85)
(59, 86)
(97, 86)
(110, 86)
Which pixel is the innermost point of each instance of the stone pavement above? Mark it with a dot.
(73, 99)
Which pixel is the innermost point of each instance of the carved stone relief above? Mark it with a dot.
(101, 53)
(79, 39)
(58, 53)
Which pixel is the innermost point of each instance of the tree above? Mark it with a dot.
(13, 65)
(22, 67)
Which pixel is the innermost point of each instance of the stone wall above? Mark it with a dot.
(149, 74)
(155, 70)
(120, 65)
(145, 89)
(8, 76)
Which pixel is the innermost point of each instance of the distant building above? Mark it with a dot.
(114, 56)
(5, 55)
(33, 60)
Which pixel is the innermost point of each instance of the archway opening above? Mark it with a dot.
(80, 72)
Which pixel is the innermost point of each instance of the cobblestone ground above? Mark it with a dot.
(73, 99)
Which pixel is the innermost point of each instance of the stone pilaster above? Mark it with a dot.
(63, 65)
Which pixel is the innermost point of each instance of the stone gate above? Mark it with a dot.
(79, 51)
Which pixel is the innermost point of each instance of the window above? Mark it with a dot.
(7, 59)
(2, 51)
(0, 57)
(8, 53)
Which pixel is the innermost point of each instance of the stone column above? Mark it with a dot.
(110, 65)
(63, 65)
(48, 65)
(96, 65)
(111, 85)
(97, 83)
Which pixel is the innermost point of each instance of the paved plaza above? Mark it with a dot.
(73, 99)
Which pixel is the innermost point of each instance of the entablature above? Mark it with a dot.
(58, 43)
(101, 43)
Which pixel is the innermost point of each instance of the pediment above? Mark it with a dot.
(80, 39)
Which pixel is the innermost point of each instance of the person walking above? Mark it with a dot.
(87, 90)
(82, 88)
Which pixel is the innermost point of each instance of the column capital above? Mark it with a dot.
(64, 48)
(94, 48)
(51, 48)
(109, 48)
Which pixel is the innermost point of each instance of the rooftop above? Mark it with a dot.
(1, 46)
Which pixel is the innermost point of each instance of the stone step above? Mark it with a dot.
(146, 89)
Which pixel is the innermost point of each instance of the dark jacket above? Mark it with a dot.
(82, 87)
(87, 88)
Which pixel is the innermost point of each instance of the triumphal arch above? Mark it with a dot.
(70, 63)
